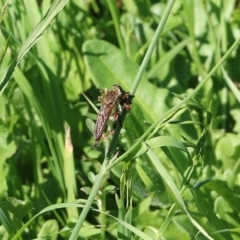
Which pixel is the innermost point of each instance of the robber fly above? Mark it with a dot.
(109, 107)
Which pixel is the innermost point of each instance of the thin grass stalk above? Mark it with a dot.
(141, 72)
(116, 22)
(194, 92)
(166, 221)
(151, 47)
(188, 7)
(27, 90)
(231, 85)
(104, 169)
(97, 184)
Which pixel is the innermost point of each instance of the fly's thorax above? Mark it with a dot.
(111, 97)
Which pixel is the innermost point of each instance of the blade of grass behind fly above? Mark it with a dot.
(33, 16)
(51, 115)
(29, 92)
(189, 11)
(55, 8)
(3, 11)
(69, 174)
(115, 15)
(4, 50)
(175, 192)
(6, 221)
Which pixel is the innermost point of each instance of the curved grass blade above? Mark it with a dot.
(55, 8)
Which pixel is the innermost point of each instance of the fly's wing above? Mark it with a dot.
(109, 101)
(101, 122)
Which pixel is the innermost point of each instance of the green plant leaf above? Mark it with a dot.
(107, 65)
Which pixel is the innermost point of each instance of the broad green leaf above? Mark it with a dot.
(49, 230)
(167, 58)
(227, 149)
(207, 210)
(137, 8)
(181, 162)
(107, 65)
(223, 190)
(146, 180)
(17, 209)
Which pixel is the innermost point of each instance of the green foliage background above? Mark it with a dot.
(181, 182)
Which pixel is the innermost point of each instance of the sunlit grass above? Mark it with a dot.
(174, 173)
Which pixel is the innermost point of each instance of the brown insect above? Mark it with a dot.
(110, 101)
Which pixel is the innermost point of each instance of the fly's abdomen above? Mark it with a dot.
(101, 123)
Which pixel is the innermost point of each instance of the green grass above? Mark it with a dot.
(171, 168)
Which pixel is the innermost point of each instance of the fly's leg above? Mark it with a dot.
(95, 145)
(116, 115)
(103, 138)
(102, 94)
(125, 101)
(112, 104)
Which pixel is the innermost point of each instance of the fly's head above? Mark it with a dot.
(118, 90)
(106, 95)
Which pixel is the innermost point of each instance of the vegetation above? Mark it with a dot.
(169, 169)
